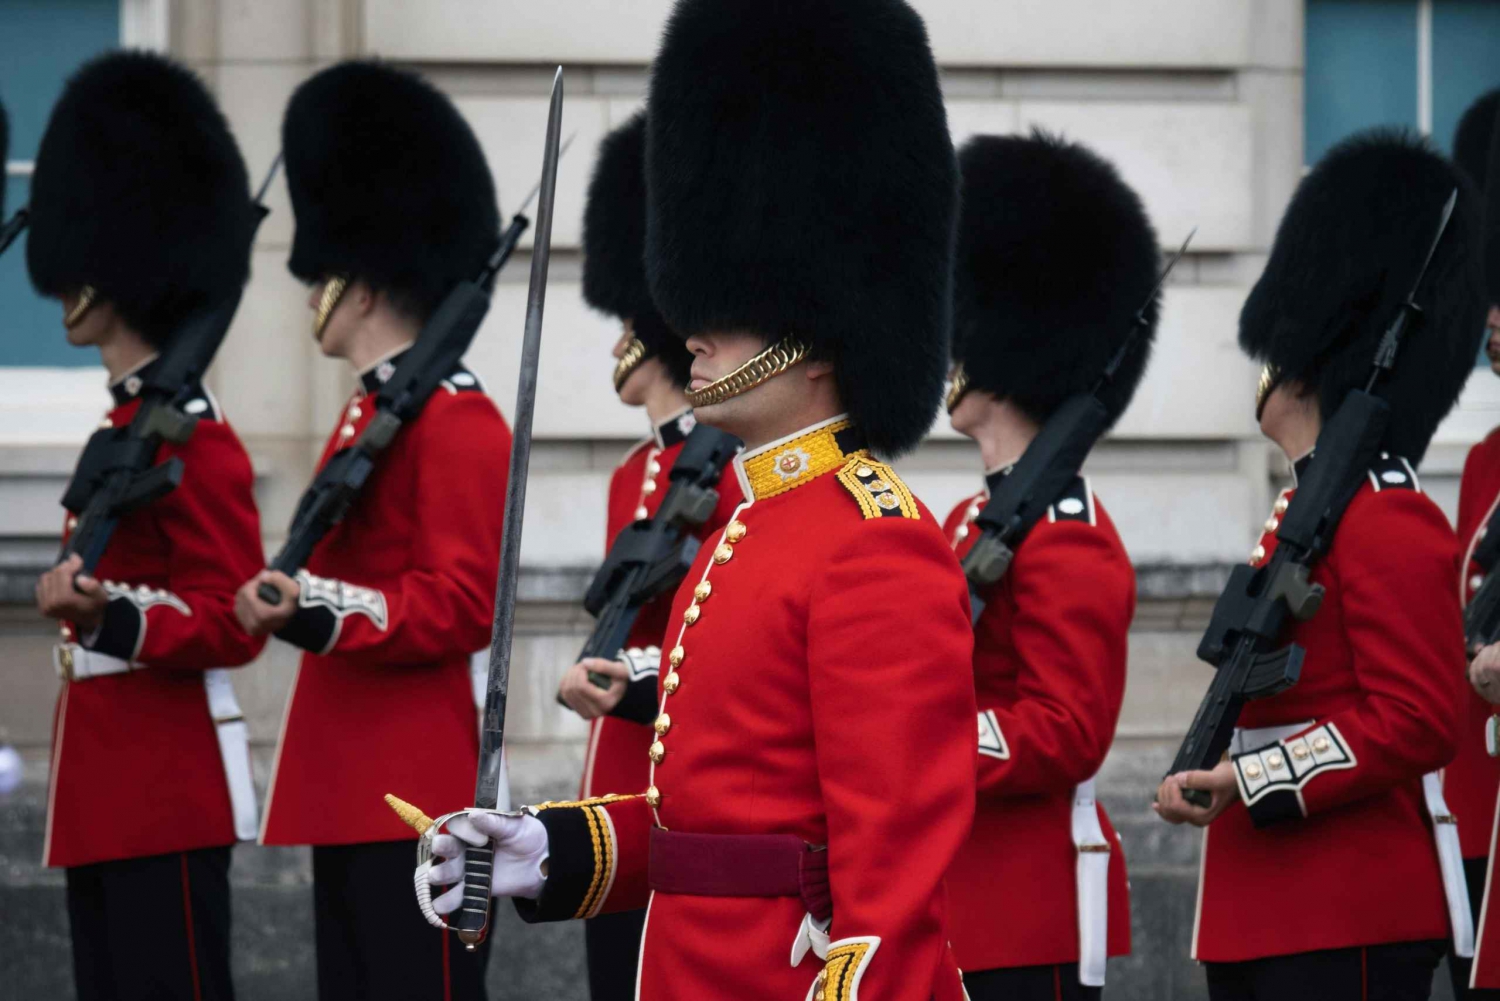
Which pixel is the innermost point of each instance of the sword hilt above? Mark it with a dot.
(473, 918)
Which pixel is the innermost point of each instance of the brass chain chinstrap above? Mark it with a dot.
(770, 363)
(333, 291)
(635, 353)
(86, 297)
(957, 387)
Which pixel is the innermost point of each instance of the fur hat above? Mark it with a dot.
(614, 246)
(1346, 255)
(802, 182)
(140, 192)
(1056, 256)
(1476, 149)
(388, 184)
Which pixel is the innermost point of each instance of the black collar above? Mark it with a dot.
(128, 386)
(373, 378)
(993, 480)
(674, 429)
(1299, 468)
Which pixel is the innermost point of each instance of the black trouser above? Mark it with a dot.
(373, 943)
(614, 951)
(1029, 983)
(1475, 870)
(152, 928)
(1396, 971)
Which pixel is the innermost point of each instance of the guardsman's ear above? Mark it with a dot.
(818, 369)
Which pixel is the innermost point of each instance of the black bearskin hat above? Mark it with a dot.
(140, 192)
(802, 182)
(614, 246)
(1056, 256)
(1476, 149)
(1346, 255)
(388, 184)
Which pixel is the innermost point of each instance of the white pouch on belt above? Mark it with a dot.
(1093, 887)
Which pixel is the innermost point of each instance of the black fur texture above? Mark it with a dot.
(614, 246)
(802, 181)
(1346, 255)
(140, 191)
(1476, 129)
(388, 183)
(1056, 256)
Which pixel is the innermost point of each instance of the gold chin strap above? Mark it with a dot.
(958, 386)
(770, 363)
(86, 297)
(1270, 376)
(635, 353)
(333, 291)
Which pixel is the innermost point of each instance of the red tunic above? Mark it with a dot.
(136, 766)
(616, 756)
(394, 602)
(1341, 853)
(822, 689)
(1049, 666)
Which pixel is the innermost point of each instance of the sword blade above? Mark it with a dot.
(260, 195)
(1437, 238)
(502, 638)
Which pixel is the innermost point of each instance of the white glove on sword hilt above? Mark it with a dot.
(520, 845)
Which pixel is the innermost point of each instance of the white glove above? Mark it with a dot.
(520, 845)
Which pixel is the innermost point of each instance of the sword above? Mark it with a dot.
(472, 921)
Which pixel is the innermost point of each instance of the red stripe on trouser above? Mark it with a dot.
(447, 976)
(1057, 982)
(187, 911)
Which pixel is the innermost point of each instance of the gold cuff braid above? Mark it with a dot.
(635, 353)
(770, 363)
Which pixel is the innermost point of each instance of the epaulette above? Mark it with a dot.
(877, 489)
(1075, 504)
(461, 380)
(1393, 472)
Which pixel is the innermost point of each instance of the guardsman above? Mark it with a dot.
(1055, 258)
(141, 215)
(394, 205)
(813, 772)
(1472, 781)
(651, 371)
(1321, 873)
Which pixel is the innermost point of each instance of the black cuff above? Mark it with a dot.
(311, 627)
(1275, 807)
(638, 704)
(119, 632)
(571, 866)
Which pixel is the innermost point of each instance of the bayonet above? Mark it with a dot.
(14, 228)
(511, 238)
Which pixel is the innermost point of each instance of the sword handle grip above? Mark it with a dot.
(473, 919)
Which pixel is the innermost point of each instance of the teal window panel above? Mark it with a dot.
(41, 43)
(1465, 60)
(1361, 69)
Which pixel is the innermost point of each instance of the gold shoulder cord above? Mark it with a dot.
(770, 363)
(635, 353)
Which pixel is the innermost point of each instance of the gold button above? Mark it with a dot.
(653, 797)
(864, 471)
(1282, 504)
(663, 724)
(963, 532)
(691, 615)
(703, 590)
(1257, 554)
(1275, 760)
(657, 752)
(723, 554)
(649, 487)
(735, 532)
(347, 431)
(72, 522)
(1272, 524)
(106, 424)
(354, 412)
(641, 512)
(1300, 751)
(63, 631)
(1252, 770)
(675, 657)
(1476, 581)
(673, 680)
(1320, 745)
(654, 467)
(823, 976)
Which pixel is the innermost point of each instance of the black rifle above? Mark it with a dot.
(651, 556)
(1050, 463)
(1244, 634)
(1482, 614)
(117, 472)
(443, 340)
(13, 228)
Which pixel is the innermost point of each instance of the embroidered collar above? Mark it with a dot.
(128, 386)
(674, 429)
(378, 374)
(798, 458)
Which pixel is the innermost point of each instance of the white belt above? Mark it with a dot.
(76, 664)
(1093, 887)
(1444, 833)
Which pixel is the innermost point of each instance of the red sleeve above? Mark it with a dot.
(1471, 506)
(597, 851)
(1393, 559)
(211, 532)
(892, 693)
(1074, 594)
(444, 604)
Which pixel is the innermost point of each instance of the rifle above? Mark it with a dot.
(1244, 633)
(117, 473)
(443, 340)
(1050, 463)
(651, 556)
(1482, 614)
(13, 228)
